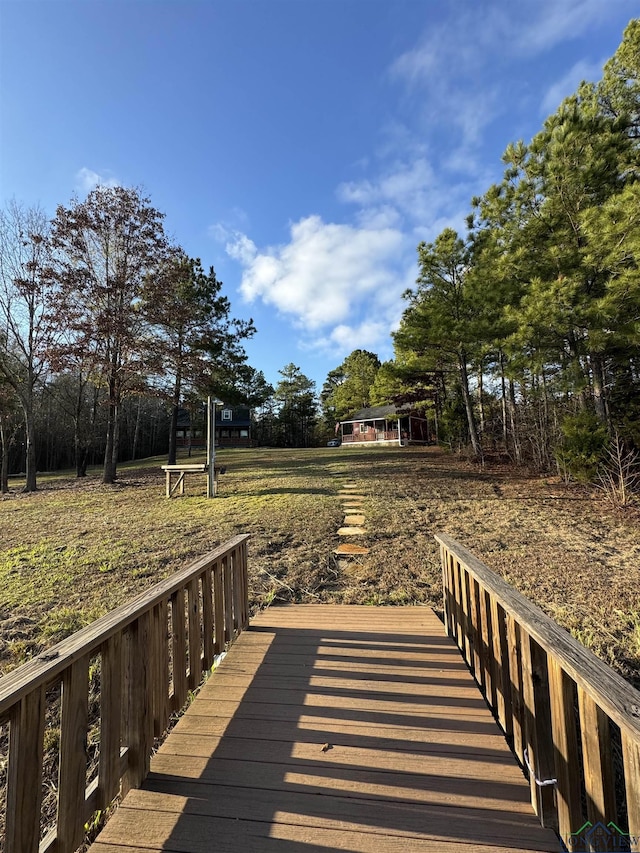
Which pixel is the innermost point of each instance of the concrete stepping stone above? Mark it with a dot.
(353, 520)
(351, 531)
(348, 549)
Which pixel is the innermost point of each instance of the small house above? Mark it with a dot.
(233, 426)
(385, 425)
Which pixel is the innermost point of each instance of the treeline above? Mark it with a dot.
(106, 328)
(523, 334)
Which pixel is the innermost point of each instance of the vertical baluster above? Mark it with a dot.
(179, 650)
(72, 776)
(207, 618)
(565, 740)
(631, 759)
(24, 780)
(195, 653)
(218, 607)
(535, 682)
(487, 646)
(598, 766)
(110, 719)
(515, 677)
(501, 657)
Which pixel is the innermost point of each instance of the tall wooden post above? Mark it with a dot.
(211, 447)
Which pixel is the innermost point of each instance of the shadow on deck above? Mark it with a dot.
(334, 728)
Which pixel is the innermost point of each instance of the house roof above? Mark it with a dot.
(374, 414)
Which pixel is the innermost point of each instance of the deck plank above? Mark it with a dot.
(370, 736)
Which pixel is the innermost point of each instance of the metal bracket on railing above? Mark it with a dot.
(541, 783)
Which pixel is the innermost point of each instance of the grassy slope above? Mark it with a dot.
(78, 548)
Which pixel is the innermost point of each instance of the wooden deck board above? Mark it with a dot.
(334, 728)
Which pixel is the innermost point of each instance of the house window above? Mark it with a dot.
(244, 433)
(224, 433)
(227, 414)
(363, 427)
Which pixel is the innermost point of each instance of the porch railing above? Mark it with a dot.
(571, 719)
(137, 665)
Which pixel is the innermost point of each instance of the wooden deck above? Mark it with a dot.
(334, 728)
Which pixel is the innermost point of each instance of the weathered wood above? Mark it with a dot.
(501, 660)
(179, 650)
(208, 652)
(476, 623)
(611, 692)
(515, 675)
(133, 645)
(73, 756)
(598, 765)
(218, 608)
(603, 698)
(358, 763)
(631, 759)
(565, 740)
(160, 665)
(110, 720)
(467, 629)
(194, 634)
(539, 741)
(180, 471)
(24, 785)
(490, 690)
(228, 598)
(44, 668)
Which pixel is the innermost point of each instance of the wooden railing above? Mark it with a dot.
(148, 655)
(572, 721)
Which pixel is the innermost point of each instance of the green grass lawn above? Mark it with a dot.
(76, 548)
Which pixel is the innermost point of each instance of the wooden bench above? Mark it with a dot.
(180, 471)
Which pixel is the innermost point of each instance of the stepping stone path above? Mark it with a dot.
(353, 527)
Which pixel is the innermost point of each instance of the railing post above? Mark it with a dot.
(596, 755)
(179, 650)
(501, 658)
(538, 730)
(487, 647)
(565, 742)
(24, 781)
(631, 758)
(218, 607)
(110, 720)
(195, 653)
(207, 619)
(228, 598)
(515, 674)
(73, 755)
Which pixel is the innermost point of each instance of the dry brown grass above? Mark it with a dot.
(77, 548)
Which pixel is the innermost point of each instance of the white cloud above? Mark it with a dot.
(323, 274)
(568, 84)
(554, 21)
(87, 180)
(344, 338)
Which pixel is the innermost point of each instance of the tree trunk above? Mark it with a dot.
(599, 401)
(109, 473)
(4, 457)
(466, 396)
(30, 439)
(481, 399)
(503, 385)
(517, 450)
(136, 431)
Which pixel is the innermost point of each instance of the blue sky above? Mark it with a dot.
(301, 147)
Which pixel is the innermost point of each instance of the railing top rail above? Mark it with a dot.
(48, 664)
(619, 699)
